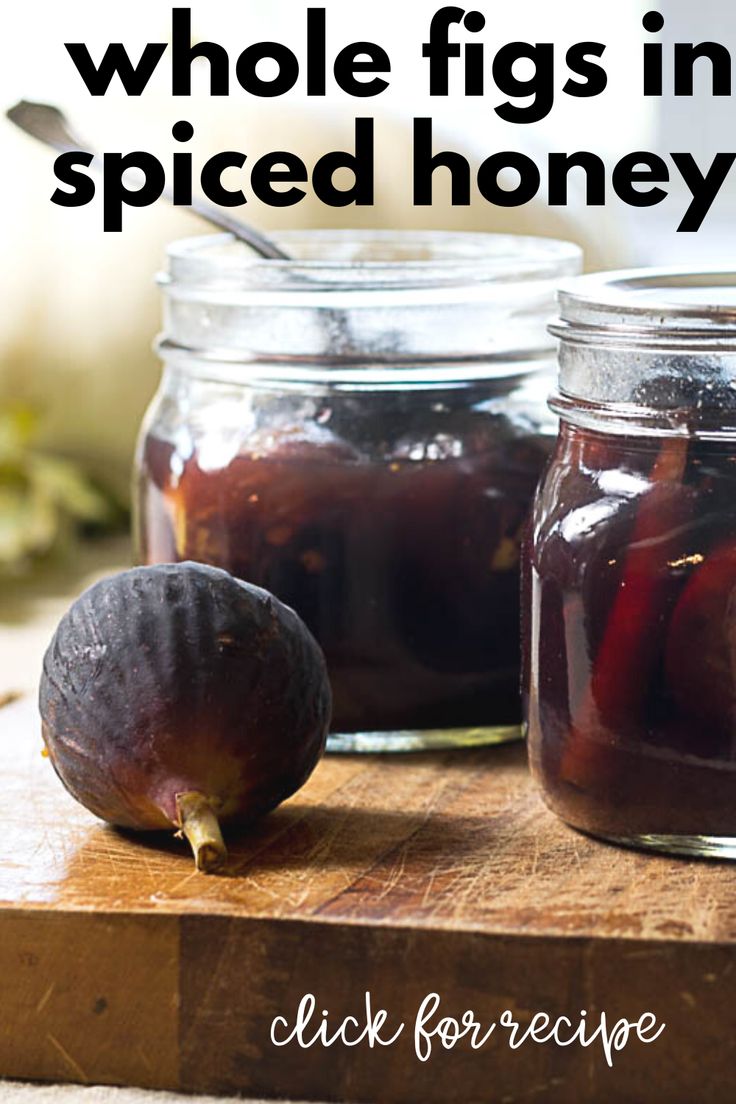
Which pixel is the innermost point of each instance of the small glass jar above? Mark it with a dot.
(360, 431)
(630, 573)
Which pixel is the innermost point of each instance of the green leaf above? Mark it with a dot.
(18, 425)
(44, 499)
(69, 489)
(29, 526)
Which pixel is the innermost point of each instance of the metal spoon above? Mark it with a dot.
(49, 125)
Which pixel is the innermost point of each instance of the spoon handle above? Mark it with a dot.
(240, 230)
(49, 125)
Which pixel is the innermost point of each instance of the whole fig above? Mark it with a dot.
(179, 696)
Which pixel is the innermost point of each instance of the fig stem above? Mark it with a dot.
(199, 824)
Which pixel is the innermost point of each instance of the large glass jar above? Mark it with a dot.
(360, 431)
(631, 641)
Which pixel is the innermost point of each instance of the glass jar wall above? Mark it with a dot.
(360, 431)
(631, 566)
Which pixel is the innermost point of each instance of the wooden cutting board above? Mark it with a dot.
(399, 876)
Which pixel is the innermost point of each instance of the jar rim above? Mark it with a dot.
(371, 259)
(635, 419)
(691, 306)
(653, 349)
(399, 300)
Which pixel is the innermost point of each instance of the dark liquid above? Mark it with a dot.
(400, 549)
(632, 644)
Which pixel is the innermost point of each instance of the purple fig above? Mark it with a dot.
(179, 696)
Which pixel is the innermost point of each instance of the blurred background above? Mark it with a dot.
(80, 308)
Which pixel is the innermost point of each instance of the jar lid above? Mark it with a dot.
(649, 347)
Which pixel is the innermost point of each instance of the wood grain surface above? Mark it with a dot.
(398, 875)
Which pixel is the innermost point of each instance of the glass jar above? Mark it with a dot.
(631, 566)
(360, 431)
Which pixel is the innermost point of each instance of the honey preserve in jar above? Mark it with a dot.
(360, 431)
(631, 575)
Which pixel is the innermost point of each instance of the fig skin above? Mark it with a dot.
(701, 645)
(179, 680)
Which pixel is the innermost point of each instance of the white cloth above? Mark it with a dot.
(18, 1092)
